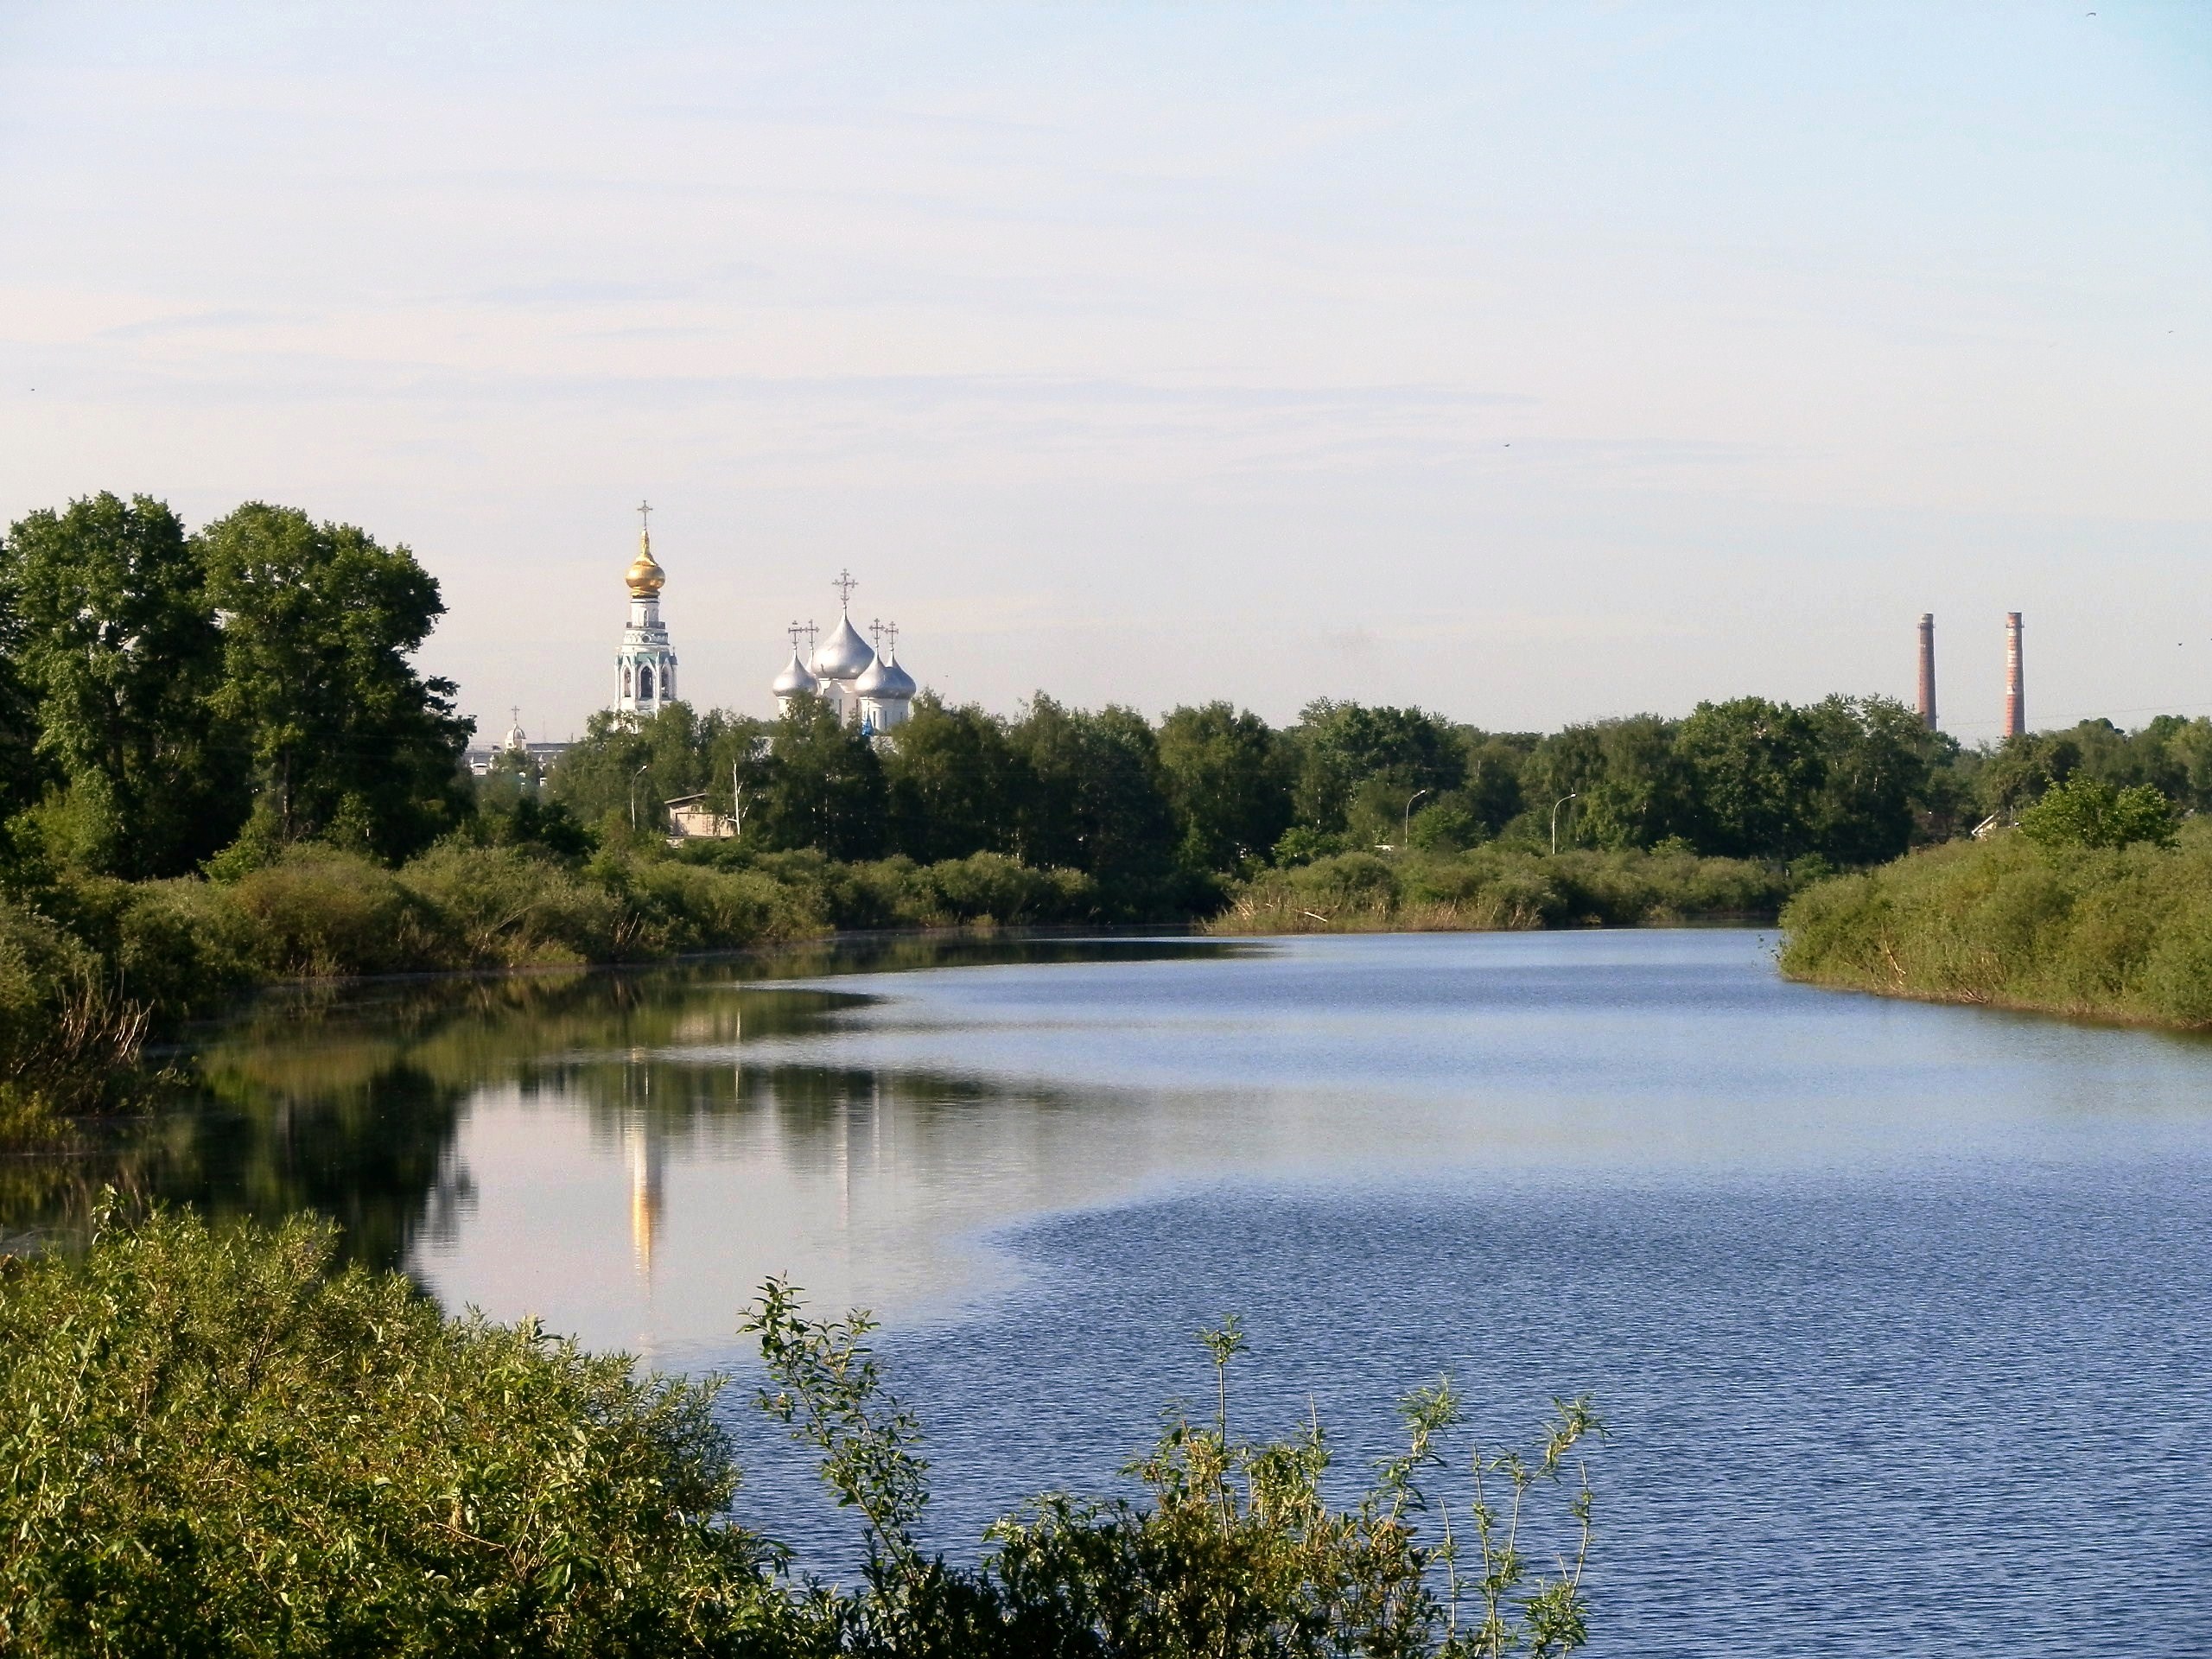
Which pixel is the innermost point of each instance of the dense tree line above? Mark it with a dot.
(1162, 813)
(166, 695)
(169, 700)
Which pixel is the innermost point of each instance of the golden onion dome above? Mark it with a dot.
(644, 574)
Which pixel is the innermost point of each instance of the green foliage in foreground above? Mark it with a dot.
(212, 1443)
(1497, 888)
(2121, 932)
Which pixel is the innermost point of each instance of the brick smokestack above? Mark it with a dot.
(2016, 710)
(1928, 670)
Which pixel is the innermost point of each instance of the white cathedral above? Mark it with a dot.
(861, 681)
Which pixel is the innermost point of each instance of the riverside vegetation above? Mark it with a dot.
(2098, 903)
(222, 769)
(222, 1443)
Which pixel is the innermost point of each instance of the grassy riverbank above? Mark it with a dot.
(215, 1441)
(2118, 933)
(92, 968)
(1501, 888)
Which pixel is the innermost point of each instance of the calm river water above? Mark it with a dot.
(1898, 1312)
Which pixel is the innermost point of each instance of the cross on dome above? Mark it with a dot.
(844, 585)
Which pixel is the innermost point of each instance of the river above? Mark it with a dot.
(1896, 1312)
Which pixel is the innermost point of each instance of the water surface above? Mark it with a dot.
(1897, 1310)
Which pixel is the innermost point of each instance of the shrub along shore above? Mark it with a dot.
(1495, 888)
(2057, 925)
(92, 968)
(218, 1441)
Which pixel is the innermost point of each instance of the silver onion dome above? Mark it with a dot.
(886, 682)
(844, 654)
(794, 679)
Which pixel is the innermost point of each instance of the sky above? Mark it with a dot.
(1531, 364)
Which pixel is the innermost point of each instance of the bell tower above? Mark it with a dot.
(644, 668)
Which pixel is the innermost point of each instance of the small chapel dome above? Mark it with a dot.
(885, 681)
(514, 738)
(794, 679)
(844, 654)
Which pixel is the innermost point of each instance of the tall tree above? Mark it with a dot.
(118, 642)
(1644, 796)
(955, 783)
(1228, 780)
(1874, 774)
(1096, 801)
(1755, 767)
(824, 784)
(23, 769)
(626, 766)
(319, 623)
(1342, 745)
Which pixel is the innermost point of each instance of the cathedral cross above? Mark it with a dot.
(889, 638)
(844, 585)
(645, 517)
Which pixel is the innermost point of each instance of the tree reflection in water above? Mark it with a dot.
(347, 1099)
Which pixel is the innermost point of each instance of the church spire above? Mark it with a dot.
(645, 576)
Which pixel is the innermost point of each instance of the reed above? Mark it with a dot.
(1494, 889)
(2117, 933)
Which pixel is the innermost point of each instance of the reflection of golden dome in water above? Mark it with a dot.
(644, 574)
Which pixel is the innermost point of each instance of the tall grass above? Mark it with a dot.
(90, 966)
(69, 1037)
(2119, 933)
(1492, 888)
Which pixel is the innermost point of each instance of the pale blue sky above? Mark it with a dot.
(1529, 363)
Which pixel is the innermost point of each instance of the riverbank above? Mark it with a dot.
(1496, 889)
(2123, 934)
(92, 970)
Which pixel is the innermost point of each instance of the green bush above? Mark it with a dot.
(183, 947)
(2125, 933)
(2083, 812)
(671, 906)
(1493, 886)
(317, 911)
(506, 906)
(213, 1443)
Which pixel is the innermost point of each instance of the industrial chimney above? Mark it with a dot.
(2016, 712)
(1928, 670)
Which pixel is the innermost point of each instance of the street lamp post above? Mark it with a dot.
(634, 776)
(1406, 829)
(1556, 804)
